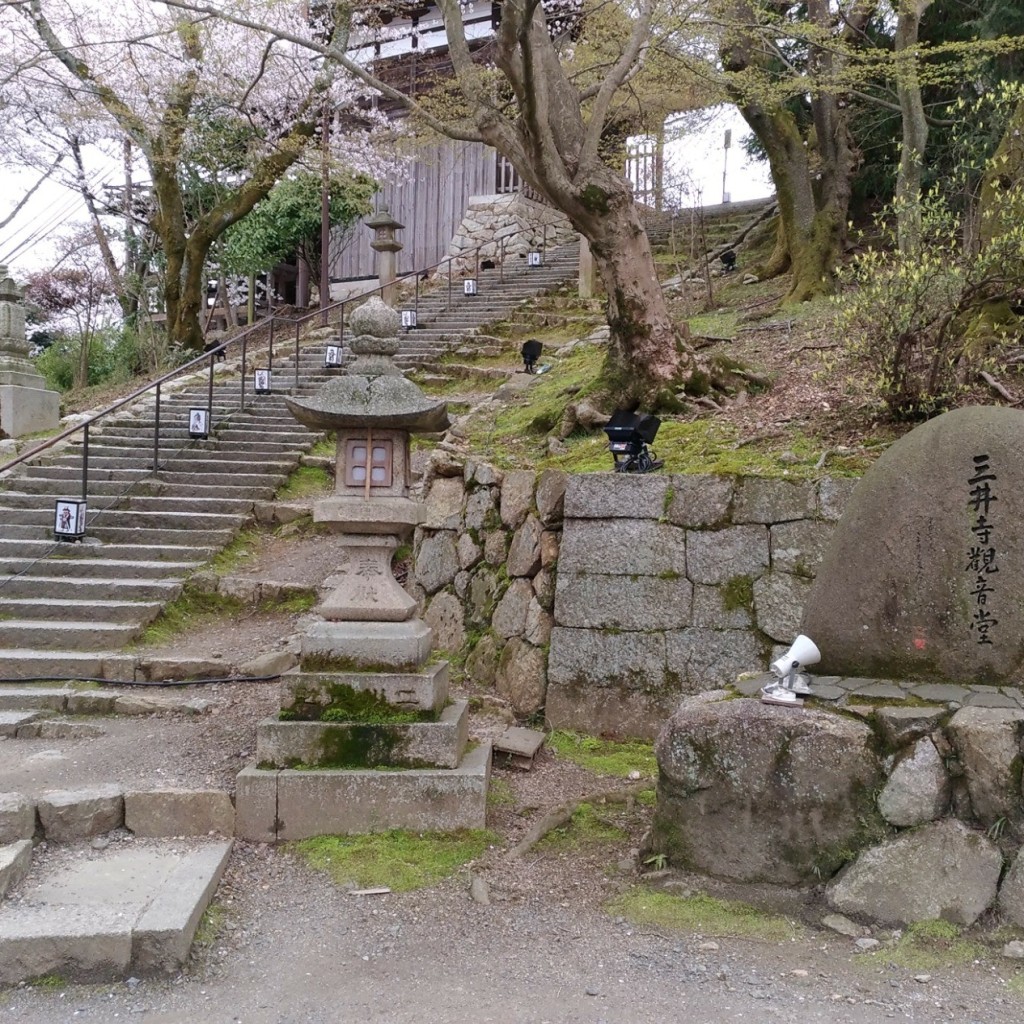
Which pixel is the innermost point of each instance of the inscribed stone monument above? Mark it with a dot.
(26, 406)
(924, 573)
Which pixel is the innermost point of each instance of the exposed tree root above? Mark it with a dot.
(562, 813)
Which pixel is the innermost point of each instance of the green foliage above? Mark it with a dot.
(400, 860)
(605, 757)
(702, 914)
(185, 612)
(289, 218)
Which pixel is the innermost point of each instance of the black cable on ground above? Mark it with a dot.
(159, 683)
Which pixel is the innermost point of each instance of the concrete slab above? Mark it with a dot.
(33, 698)
(256, 805)
(129, 909)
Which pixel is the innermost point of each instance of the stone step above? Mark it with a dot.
(39, 586)
(282, 805)
(102, 491)
(127, 536)
(74, 634)
(88, 565)
(68, 609)
(194, 461)
(26, 664)
(130, 518)
(29, 550)
(128, 910)
(111, 448)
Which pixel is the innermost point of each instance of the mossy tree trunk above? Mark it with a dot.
(811, 167)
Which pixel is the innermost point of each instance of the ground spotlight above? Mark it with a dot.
(629, 434)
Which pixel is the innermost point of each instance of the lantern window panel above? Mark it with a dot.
(377, 459)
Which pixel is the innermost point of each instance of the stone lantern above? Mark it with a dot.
(368, 618)
(384, 242)
(26, 406)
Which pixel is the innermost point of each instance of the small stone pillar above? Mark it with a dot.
(384, 242)
(587, 276)
(26, 405)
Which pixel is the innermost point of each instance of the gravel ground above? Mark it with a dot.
(296, 949)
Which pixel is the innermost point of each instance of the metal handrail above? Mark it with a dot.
(211, 356)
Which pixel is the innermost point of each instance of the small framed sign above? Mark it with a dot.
(261, 381)
(332, 355)
(69, 519)
(533, 259)
(469, 286)
(409, 319)
(198, 423)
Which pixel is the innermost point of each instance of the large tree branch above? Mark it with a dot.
(336, 52)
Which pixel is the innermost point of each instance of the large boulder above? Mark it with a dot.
(988, 743)
(752, 792)
(923, 570)
(918, 789)
(939, 871)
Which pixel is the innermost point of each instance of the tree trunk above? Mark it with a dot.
(915, 130)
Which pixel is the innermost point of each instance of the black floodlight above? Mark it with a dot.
(728, 259)
(629, 434)
(409, 319)
(531, 351)
(69, 519)
(261, 381)
(534, 259)
(198, 423)
(332, 355)
(469, 286)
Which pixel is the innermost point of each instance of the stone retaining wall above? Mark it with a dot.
(522, 224)
(666, 585)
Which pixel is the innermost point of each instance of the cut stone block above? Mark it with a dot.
(15, 860)
(12, 721)
(179, 812)
(331, 802)
(66, 815)
(306, 693)
(17, 818)
(34, 699)
(370, 645)
(91, 702)
(256, 805)
(408, 745)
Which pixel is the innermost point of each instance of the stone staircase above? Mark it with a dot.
(67, 610)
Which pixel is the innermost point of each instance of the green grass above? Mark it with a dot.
(52, 982)
(605, 757)
(927, 945)
(399, 859)
(305, 482)
(186, 611)
(242, 547)
(701, 914)
(326, 447)
(587, 828)
(499, 794)
(211, 924)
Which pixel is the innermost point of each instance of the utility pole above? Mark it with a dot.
(325, 217)
(725, 162)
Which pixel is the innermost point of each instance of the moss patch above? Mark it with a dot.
(306, 481)
(185, 612)
(586, 828)
(400, 860)
(926, 945)
(605, 757)
(738, 593)
(702, 914)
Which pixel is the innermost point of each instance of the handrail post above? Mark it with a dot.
(209, 396)
(241, 400)
(416, 301)
(341, 332)
(297, 354)
(156, 431)
(449, 285)
(85, 462)
(501, 261)
(270, 349)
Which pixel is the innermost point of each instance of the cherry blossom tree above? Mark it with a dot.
(210, 107)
